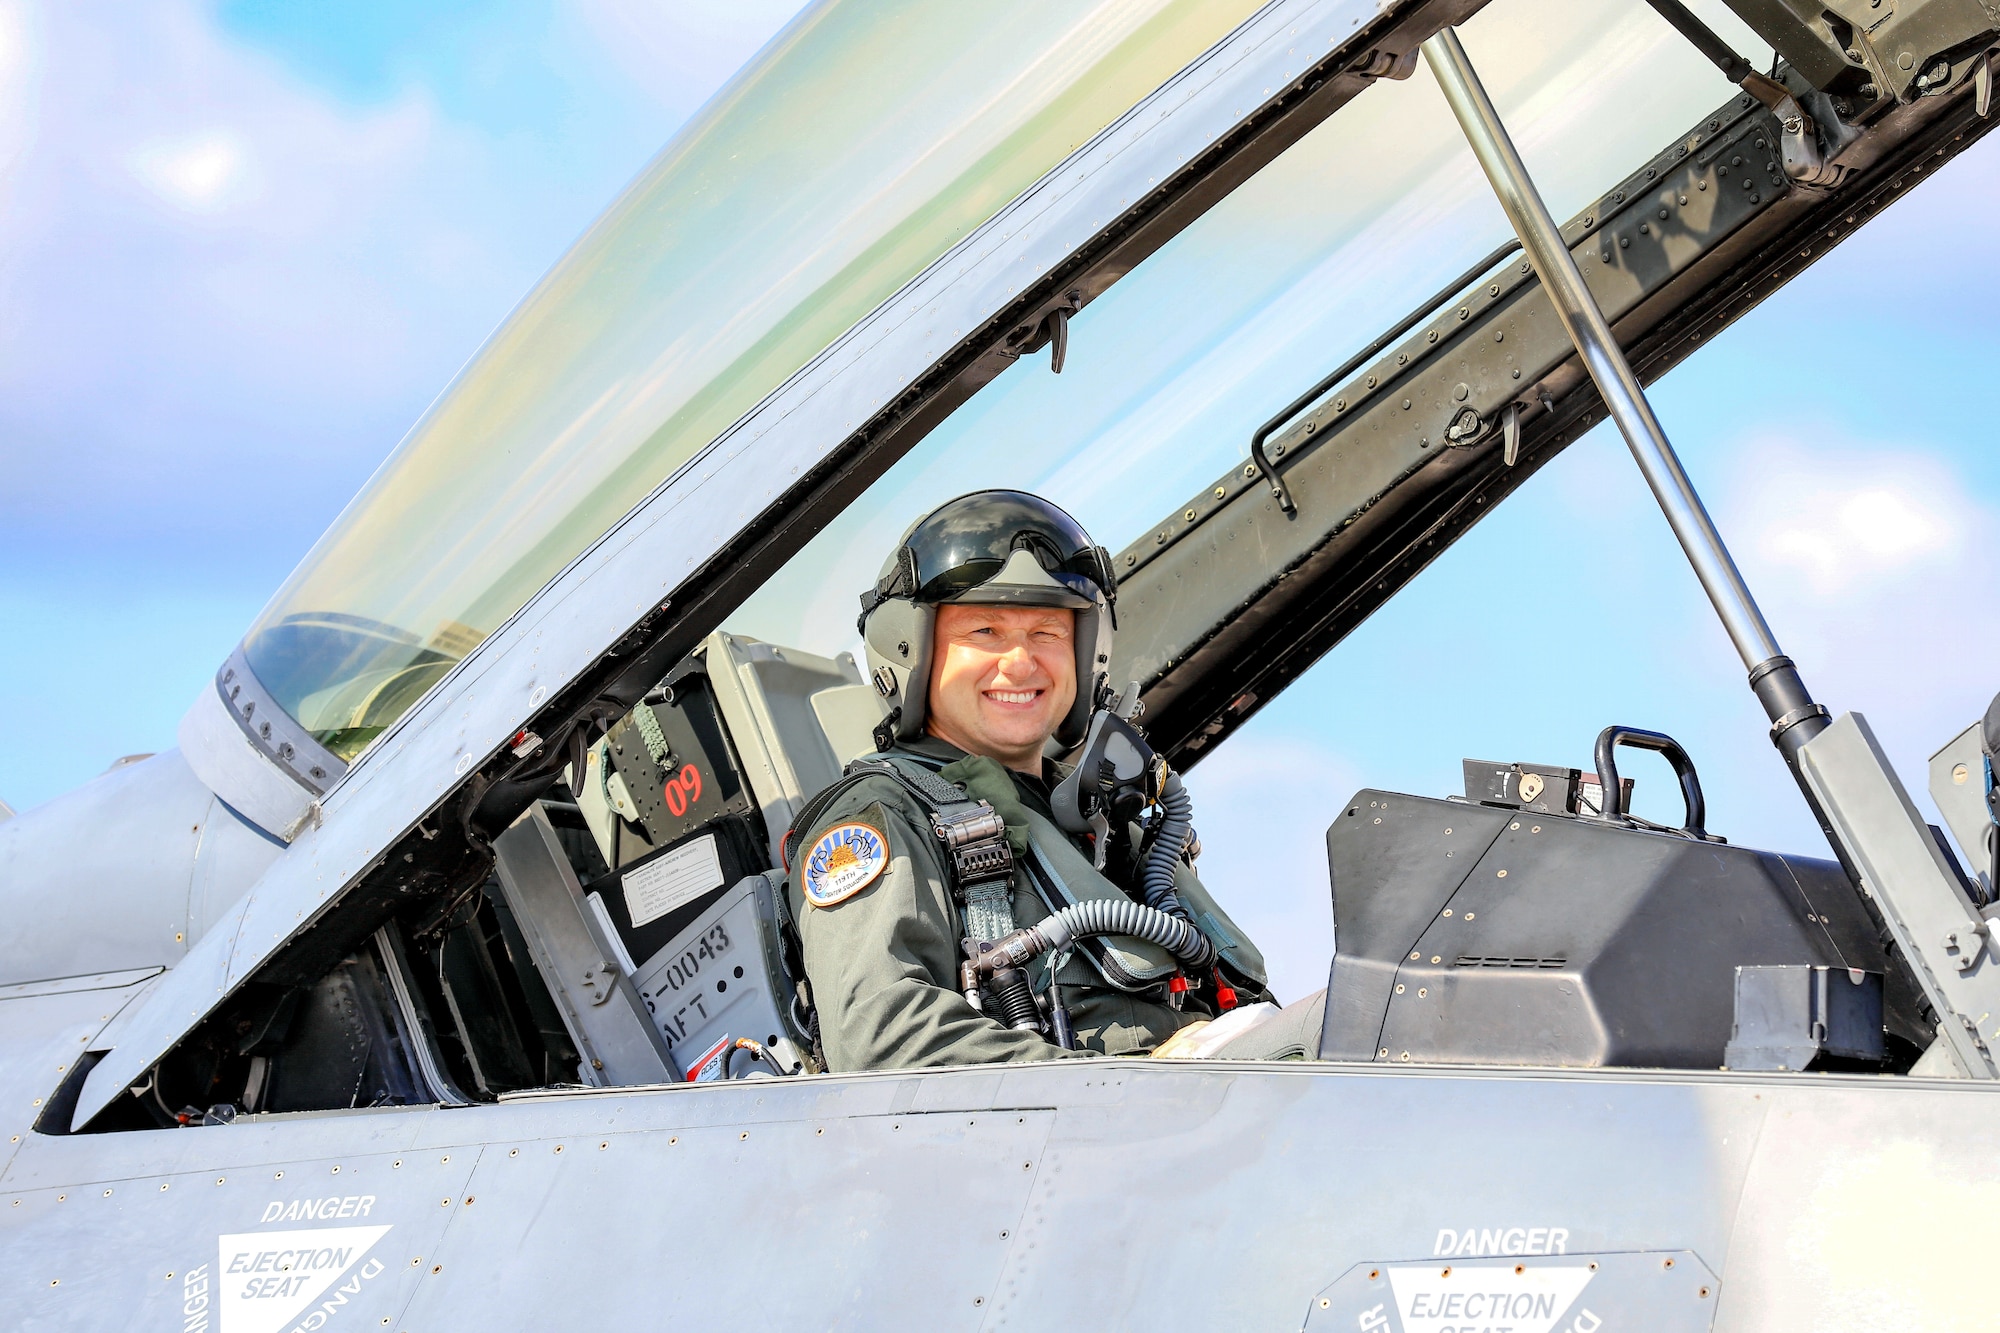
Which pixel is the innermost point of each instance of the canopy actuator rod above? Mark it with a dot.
(1795, 717)
(1868, 818)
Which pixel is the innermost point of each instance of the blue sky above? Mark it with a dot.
(243, 245)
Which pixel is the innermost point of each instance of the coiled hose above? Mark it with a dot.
(1101, 916)
(1176, 823)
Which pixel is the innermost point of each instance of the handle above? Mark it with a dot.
(1660, 743)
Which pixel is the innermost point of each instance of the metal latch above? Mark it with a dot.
(1969, 943)
(600, 982)
(1798, 142)
(977, 838)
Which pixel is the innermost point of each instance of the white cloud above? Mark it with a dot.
(1849, 523)
(1868, 564)
(196, 174)
(209, 268)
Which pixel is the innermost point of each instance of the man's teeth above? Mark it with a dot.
(1012, 696)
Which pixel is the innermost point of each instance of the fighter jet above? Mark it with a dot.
(439, 977)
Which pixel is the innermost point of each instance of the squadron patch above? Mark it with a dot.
(845, 860)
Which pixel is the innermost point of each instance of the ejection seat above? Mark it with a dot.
(675, 930)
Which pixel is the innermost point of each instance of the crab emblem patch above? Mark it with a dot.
(846, 859)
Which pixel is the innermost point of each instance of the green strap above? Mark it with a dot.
(650, 733)
(989, 905)
(989, 910)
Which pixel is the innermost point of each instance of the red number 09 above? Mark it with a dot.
(683, 790)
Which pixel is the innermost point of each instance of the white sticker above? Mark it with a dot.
(264, 1279)
(674, 880)
(711, 1064)
(1436, 1299)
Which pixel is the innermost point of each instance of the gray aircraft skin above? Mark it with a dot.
(214, 954)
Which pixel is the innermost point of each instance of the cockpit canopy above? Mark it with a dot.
(861, 145)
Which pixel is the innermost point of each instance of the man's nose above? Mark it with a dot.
(1016, 660)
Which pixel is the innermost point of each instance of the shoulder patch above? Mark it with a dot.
(846, 859)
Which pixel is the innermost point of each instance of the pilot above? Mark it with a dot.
(988, 634)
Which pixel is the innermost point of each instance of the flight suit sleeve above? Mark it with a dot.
(884, 962)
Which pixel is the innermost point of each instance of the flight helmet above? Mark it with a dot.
(1006, 547)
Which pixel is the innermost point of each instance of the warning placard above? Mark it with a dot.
(265, 1279)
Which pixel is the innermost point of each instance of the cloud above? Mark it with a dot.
(1851, 524)
(1867, 562)
(225, 293)
(196, 174)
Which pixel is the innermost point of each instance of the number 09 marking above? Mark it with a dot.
(683, 790)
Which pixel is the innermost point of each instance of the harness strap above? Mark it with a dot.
(974, 837)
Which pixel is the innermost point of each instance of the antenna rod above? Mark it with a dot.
(1795, 718)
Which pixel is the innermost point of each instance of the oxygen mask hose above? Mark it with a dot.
(1163, 860)
(1098, 916)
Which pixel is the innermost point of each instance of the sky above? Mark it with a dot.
(243, 245)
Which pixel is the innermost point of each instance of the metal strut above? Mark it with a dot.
(1601, 353)
(1795, 717)
(1848, 783)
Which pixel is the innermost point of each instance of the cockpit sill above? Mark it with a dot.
(1033, 1086)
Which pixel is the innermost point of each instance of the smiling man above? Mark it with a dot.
(988, 634)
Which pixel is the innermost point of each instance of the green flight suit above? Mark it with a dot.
(884, 963)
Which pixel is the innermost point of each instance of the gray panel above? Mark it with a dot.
(566, 629)
(583, 969)
(1212, 1196)
(1958, 785)
(1856, 1209)
(97, 879)
(66, 985)
(1525, 1292)
(844, 1243)
(722, 978)
(348, 1238)
(234, 855)
(42, 1036)
(1937, 928)
(773, 701)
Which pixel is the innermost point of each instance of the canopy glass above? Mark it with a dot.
(860, 145)
(1170, 372)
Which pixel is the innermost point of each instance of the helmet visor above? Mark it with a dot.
(963, 545)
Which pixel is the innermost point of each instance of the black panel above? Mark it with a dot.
(344, 1047)
(695, 783)
(1405, 845)
(1537, 939)
(740, 849)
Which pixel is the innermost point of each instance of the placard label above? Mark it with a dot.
(673, 880)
